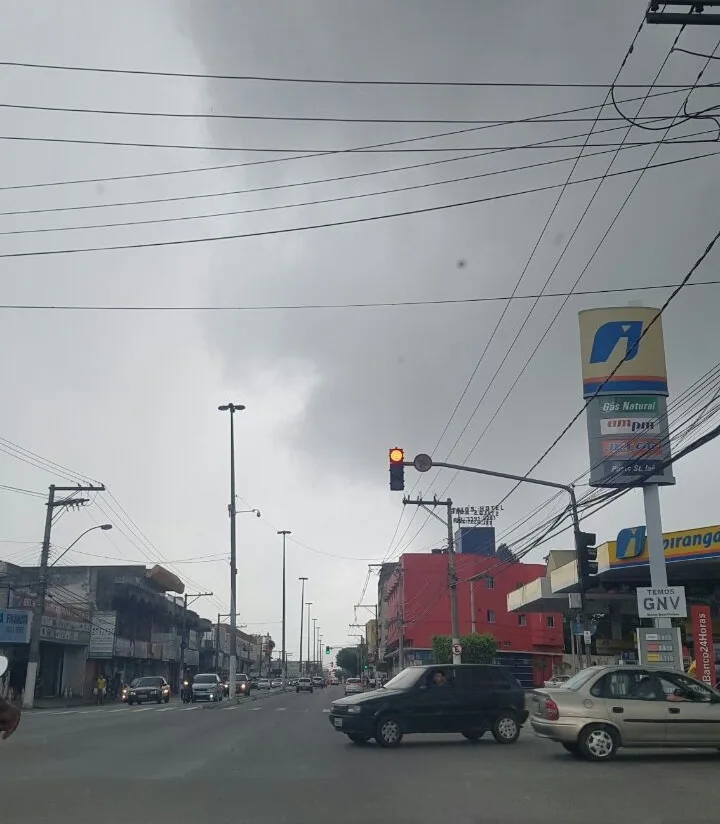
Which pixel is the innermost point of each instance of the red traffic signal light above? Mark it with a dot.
(397, 469)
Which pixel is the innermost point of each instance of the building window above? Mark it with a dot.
(491, 616)
(550, 621)
(490, 582)
(522, 620)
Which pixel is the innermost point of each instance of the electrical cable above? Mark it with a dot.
(325, 80)
(201, 169)
(296, 205)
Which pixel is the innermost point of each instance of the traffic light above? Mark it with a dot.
(327, 650)
(586, 558)
(397, 469)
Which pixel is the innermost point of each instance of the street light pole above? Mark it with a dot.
(302, 616)
(81, 535)
(307, 668)
(232, 408)
(284, 533)
(314, 646)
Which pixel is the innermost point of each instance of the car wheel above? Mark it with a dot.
(130, 702)
(388, 732)
(159, 701)
(597, 742)
(311, 691)
(167, 700)
(474, 735)
(358, 739)
(573, 749)
(506, 729)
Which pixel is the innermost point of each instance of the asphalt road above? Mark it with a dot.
(276, 760)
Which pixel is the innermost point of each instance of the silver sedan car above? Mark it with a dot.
(604, 708)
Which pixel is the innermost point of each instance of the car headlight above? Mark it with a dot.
(353, 710)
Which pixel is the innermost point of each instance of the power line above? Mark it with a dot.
(332, 224)
(22, 491)
(306, 118)
(202, 169)
(283, 206)
(326, 80)
(322, 306)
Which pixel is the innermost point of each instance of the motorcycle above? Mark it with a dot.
(186, 691)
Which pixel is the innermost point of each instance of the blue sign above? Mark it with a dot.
(609, 335)
(630, 543)
(15, 626)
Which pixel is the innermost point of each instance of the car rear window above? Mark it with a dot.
(353, 681)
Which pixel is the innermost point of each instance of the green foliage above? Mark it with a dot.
(347, 659)
(478, 648)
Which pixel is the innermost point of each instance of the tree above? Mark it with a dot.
(477, 648)
(347, 659)
(504, 553)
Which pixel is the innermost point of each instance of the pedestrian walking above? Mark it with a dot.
(100, 689)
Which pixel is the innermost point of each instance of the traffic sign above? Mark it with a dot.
(662, 602)
(422, 462)
(457, 649)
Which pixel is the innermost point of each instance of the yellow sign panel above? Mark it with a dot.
(622, 337)
(630, 548)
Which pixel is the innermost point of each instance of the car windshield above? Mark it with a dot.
(149, 682)
(407, 678)
(580, 678)
(205, 679)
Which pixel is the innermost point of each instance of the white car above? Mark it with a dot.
(353, 686)
(275, 683)
(263, 684)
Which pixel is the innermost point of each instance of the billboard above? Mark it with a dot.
(15, 626)
(703, 643)
(630, 547)
(611, 338)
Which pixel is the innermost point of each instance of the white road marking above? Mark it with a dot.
(280, 709)
(225, 709)
(165, 709)
(187, 709)
(255, 709)
(326, 710)
(143, 709)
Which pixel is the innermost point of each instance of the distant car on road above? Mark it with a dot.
(318, 682)
(207, 686)
(150, 688)
(263, 684)
(242, 684)
(353, 686)
(276, 682)
(304, 685)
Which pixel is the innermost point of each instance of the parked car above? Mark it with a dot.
(149, 688)
(304, 685)
(468, 699)
(604, 708)
(263, 684)
(207, 686)
(353, 686)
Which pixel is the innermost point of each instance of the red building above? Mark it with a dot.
(416, 607)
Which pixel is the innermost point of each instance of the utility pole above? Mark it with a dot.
(232, 511)
(39, 602)
(451, 573)
(694, 16)
(283, 664)
(302, 615)
(377, 632)
(183, 639)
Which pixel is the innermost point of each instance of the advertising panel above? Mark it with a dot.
(625, 338)
(660, 647)
(703, 642)
(628, 440)
(630, 547)
(102, 635)
(15, 626)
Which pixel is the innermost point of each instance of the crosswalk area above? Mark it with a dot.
(101, 712)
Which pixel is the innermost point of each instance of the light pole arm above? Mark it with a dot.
(81, 535)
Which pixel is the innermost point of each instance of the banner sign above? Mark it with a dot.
(15, 626)
(102, 635)
(703, 642)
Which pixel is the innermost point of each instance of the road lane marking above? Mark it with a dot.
(187, 709)
(326, 710)
(144, 709)
(280, 709)
(166, 709)
(255, 709)
(225, 709)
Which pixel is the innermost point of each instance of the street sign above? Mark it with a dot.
(422, 462)
(457, 649)
(587, 636)
(663, 602)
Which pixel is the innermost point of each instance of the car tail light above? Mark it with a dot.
(552, 711)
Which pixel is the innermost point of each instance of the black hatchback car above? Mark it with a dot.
(468, 699)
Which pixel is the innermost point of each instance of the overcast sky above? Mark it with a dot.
(130, 398)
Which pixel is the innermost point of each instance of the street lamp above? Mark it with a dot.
(81, 535)
(314, 646)
(302, 616)
(307, 668)
(232, 408)
(283, 663)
